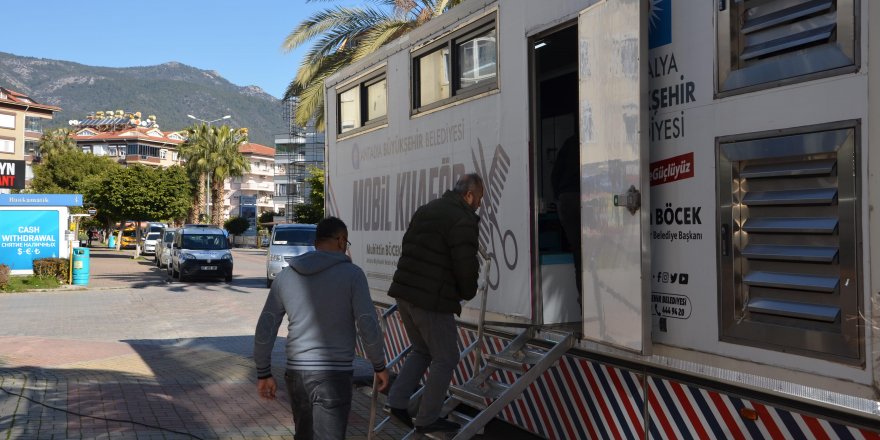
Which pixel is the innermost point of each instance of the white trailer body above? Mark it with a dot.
(732, 293)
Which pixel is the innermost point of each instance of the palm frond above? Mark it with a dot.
(336, 25)
(380, 35)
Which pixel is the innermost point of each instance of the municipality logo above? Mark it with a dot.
(660, 24)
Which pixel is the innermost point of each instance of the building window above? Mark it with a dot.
(767, 43)
(32, 148)
(33, 124)
(7, 145)
(460, 65)
(363, 104)
(163, 153)
(7, 120)
(789, 254)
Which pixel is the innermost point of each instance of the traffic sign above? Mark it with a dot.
(92, 211)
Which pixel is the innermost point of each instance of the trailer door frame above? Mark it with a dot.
(613, 86)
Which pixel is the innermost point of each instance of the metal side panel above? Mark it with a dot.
(612, 44)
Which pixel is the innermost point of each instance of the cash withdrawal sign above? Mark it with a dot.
(26, 236)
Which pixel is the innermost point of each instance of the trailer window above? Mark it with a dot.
(434, 77)
(789, 256)
(476, 60)
(349, 110)
(377, 101)
(457, 66)
(767, 43)
(363, 105)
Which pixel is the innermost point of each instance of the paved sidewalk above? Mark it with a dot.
(202, 388)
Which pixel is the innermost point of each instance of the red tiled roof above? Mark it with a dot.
(261, 150)
(141, 134)
(24, 100)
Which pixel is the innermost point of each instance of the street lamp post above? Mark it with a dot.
(208, 191)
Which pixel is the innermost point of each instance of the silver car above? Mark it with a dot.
(287, 241)
(150, 242)
(163, 247)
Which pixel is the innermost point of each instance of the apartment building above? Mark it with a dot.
(21, 125)
(127, 138)
(251, 194)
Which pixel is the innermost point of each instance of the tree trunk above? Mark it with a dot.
(217, 205)
(200, 199)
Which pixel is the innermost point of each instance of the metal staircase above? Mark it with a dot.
(524, 356)
(489, 395)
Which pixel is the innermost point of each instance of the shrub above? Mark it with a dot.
(236, 225)
(4, 276)
(58, 268)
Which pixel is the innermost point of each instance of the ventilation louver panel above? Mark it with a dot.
(791, 279)
(773, 40)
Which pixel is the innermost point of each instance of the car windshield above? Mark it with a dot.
(204, 241)
(153, 236)
(129, 233)
(169, 236)
(294, 237)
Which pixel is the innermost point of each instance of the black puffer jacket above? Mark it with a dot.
(438, 264)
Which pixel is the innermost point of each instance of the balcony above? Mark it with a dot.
(257, 186)
(143, 160)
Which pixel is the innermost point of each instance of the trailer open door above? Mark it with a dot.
(613, 85)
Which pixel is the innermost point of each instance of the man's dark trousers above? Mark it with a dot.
(434, 339)
(321, 401)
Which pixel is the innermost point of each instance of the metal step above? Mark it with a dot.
(517, 361)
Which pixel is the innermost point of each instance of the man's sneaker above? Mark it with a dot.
(402, 415)
(439, 425)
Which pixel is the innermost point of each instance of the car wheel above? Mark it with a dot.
(268, 283)
(228, 277)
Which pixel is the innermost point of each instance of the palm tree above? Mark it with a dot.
(195, 152)
(55, 141)
(345, 35)
(214, 151)
(226, 161)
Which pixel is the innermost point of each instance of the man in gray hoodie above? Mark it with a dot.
(327, 301)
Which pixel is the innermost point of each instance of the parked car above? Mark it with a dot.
(200, 252)
(150, 242)
(287, 241)
(163, 247)
(129, 238)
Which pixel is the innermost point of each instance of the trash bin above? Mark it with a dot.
(81, 266)
(111, 243)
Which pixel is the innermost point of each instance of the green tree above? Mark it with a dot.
(226, 161)
(214, 151)
(313, 211)
(236, 226)
(267, 217)
(55, 141)
(195, 151)
(142, 193)
(345, 35)
(65, 170)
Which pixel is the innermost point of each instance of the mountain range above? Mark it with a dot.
(170, 91)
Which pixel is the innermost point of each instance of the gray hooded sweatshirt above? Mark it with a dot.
(326, 299)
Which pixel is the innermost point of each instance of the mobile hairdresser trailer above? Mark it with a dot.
(729, 245)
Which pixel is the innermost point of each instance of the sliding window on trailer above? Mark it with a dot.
(456, 66)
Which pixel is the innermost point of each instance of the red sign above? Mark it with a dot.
(672, 169)
(12, 174)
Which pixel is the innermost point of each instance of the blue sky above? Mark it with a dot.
(240, 39)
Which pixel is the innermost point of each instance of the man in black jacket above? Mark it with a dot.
(437, 269)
